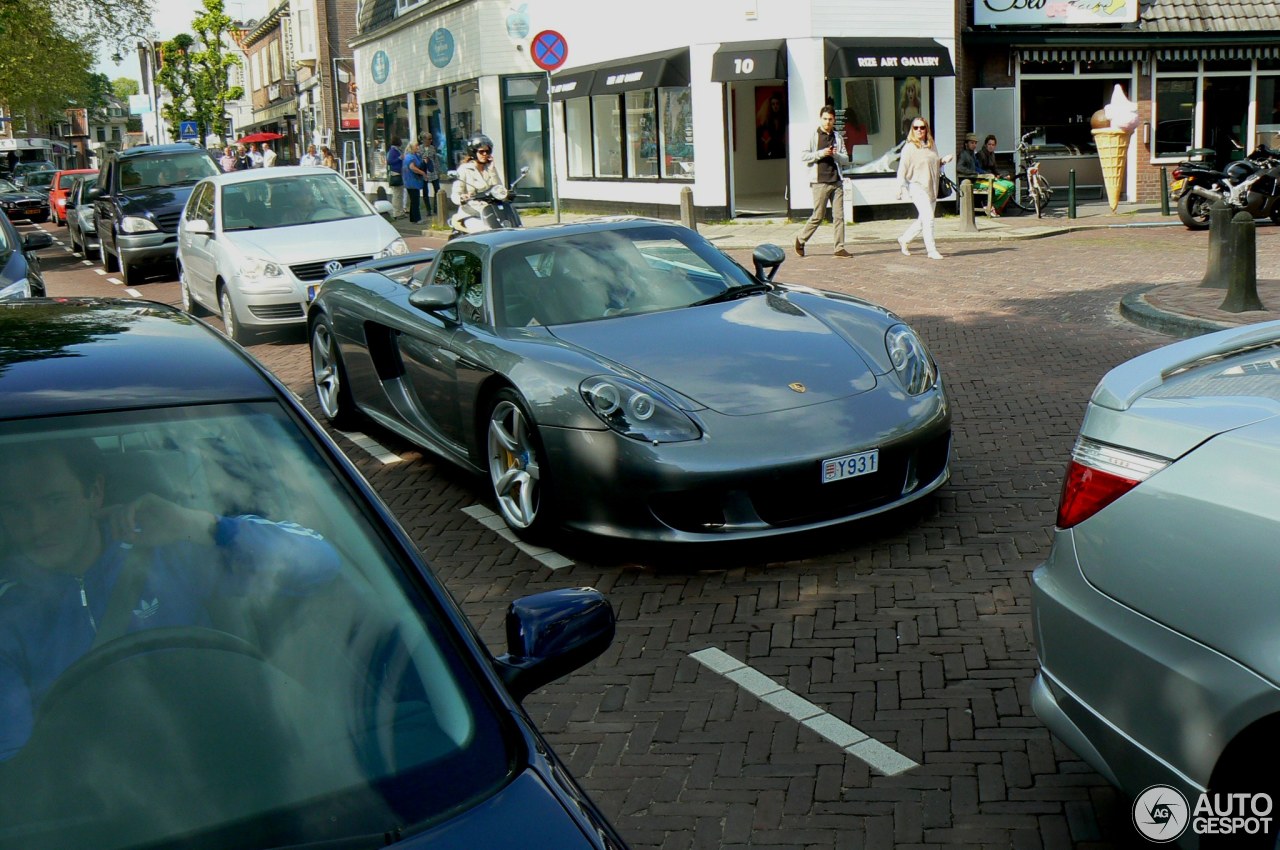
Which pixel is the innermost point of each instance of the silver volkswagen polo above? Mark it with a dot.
(253, 246)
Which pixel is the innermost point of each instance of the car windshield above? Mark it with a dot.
(154, 172)
(7, 186)
(206, 642)
(39, 179)
(289, 201)
(609, 273)
(66, 180)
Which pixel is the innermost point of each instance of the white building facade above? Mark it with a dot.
(720, 97)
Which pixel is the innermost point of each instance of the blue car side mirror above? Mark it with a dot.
(767, 259)
(551, 634)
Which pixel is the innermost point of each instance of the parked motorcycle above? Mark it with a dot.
(1251, 184)
(497, 210)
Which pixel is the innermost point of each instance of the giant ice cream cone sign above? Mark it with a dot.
(1112, 141)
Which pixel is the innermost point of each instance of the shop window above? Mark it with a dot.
(1164, 66)
(464, 118)
(430, 108)
(1061, 109)
(1268, 112)
(642, 133)
(677, 132)
(1035, 67)
(1099, 66)
(1228, 65)
(606, 135)
(1269, 64)
(521, 87)
(383, 120)
(873, 115)
(577, 123)
(1175, 116)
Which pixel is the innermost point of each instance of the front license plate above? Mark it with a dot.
(312, 289)
(36, 211)
(850, 466)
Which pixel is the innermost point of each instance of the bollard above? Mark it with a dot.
(967, 224)
(444, 209)
(1164, 190)
(1071, 193)
(686, 209)
(1242, 277)
(1215, 275)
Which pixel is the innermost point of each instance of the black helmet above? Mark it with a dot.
(479, 140)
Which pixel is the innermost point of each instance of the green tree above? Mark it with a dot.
(125, 88)
(42, 69)
(195, 73)
(99, 23)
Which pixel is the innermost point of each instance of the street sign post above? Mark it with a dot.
(549, 50)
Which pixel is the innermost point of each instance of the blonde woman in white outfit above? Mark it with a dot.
(918, 173)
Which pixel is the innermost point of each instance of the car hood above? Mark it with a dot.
(525, 814)
(22, 196)
(758, 354)
(309, 243)
(157, 202)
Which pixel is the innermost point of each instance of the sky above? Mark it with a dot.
(173, 17)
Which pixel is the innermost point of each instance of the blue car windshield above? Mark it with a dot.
(206, 641)
(604, 274)
(156, 172)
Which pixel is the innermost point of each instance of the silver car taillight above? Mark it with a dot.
(1098, 475)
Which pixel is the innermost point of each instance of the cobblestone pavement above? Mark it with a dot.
(915, 630)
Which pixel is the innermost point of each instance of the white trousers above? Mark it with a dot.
(924, 223)
(399, 200)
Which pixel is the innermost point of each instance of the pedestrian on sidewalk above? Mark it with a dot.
(395, 179)
(414, 175)
(918, 173)
(825, 155)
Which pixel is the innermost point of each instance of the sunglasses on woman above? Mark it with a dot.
(919, 127)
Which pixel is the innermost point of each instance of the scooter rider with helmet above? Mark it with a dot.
(475, 175)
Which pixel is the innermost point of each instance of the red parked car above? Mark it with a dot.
(58, 189)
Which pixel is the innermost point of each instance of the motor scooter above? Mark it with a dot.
(497, 210)
(1251, 184)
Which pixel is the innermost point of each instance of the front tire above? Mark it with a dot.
(1193, 211)
(517, 468)
(330, 377)
(231, 327)
(190, 305)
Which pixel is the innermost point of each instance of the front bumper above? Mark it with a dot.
(27, 211)
(1141, 703)
(254, 309)
(753, 476)
(137, 248)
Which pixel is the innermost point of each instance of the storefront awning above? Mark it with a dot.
(750, 60)
(887, 57)
(566, 84)
(653, 70)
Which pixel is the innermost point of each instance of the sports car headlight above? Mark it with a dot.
(637, 411)
(137, 224)
(395, 249)
(251, 268)
(17, 289)
(912, 363)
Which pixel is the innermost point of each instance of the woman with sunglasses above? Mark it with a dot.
(475, 175)
(918, 174)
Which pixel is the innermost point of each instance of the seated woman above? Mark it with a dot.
(1000, 186)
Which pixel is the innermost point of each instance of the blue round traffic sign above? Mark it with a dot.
(549, 50)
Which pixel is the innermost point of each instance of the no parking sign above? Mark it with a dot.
(549, 50)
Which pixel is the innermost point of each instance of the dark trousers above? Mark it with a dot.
(415, 214)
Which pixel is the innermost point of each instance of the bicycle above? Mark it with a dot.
(1031, 191)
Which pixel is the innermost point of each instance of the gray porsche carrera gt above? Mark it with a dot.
(625, 378)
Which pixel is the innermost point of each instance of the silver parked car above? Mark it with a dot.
(1156, 613)
(81, 228)
(255, 245)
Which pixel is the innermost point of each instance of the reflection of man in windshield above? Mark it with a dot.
(66, 554)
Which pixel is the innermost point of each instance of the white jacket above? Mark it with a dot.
(812, 153)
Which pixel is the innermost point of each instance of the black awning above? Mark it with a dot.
(566, 84)
(887, 57)
(653, 70)
(750, 60)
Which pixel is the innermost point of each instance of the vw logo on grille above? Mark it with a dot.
(333, 267)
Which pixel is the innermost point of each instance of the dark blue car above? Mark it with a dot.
(213, 634)
(19, 266)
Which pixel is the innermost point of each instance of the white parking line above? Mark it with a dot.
(99, 271)
(549, 558)
(117, 281)
(135, 293)
(371, 447)
(86, 262)
(853, 741)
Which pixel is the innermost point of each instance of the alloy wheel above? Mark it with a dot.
(513, 465)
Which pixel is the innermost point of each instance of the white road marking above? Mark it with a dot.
(86, 262)
(135, 293)
(853, 741)
(99, 271)
(549, 558)
(117, 281)
(371, 447)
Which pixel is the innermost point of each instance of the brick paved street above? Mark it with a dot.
(914, 630)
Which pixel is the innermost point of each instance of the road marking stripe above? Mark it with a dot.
(852, 740)
(86, 262)
(371, 447)
(135, 293)
(549, 558)
(99, 271)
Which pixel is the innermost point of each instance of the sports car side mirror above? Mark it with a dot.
(434, 298)
(767, 257)
(551, 634)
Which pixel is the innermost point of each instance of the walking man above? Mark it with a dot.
(825, 155)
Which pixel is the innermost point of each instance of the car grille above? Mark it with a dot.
(798, 497)
(277, 311)
(168, 222)
(315, 271)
